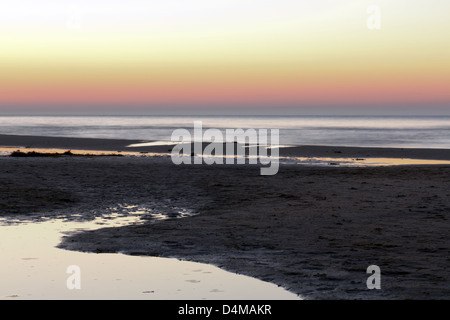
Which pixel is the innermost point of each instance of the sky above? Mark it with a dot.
(225, 55)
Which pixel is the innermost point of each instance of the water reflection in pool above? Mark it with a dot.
(33, 268)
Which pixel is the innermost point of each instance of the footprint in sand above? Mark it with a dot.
(216, 291)
(10, 296)
(193, 281)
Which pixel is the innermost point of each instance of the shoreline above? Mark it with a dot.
(164, 147)
(311, 230)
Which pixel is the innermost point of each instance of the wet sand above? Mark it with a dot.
(293, 151)
(312, 230)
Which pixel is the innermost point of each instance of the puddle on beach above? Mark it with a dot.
(286, 160)
(33, 268)
(359, 162)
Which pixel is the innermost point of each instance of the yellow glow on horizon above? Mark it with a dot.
(324, 44)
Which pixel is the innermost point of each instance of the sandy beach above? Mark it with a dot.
(299, 145)
(312, 230)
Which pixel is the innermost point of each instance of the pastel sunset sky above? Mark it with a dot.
(223, 54)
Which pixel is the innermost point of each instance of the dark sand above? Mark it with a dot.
(312, 230)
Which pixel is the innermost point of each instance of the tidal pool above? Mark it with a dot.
(32, 267)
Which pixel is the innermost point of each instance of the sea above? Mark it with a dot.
(359, 131)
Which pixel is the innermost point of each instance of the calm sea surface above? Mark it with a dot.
(368, 131)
